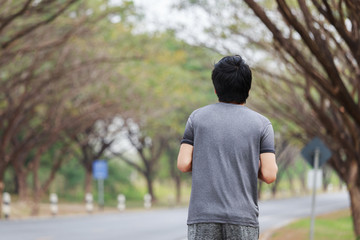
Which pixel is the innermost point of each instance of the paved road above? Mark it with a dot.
(154, 224)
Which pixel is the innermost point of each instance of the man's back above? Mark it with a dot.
(227, 140)
(227, 147)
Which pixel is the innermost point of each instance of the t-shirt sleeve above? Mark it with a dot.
(267, 139)
(189, 133)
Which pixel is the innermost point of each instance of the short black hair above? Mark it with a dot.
(231, 77)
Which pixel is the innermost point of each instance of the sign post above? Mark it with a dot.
(313, 200)
(100, 172)
(101, 193)
(316, 154)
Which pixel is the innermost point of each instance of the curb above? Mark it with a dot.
(267, 234)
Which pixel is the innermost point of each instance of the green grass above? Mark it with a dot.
(332, 226)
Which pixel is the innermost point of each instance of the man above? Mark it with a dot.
(227, 147)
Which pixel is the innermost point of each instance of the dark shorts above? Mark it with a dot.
(221, 231)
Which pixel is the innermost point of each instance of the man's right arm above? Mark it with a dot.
(184, 161)
(268, 167)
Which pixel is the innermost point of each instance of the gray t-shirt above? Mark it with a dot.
(227, 139)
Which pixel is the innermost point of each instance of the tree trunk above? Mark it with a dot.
(291, 183)
(2, 186)
(36, 198)
(150, 187)
(274, 188)
(260, 184)
(303, 183)
(22, 185)
(326, 175)
(38, 195)
(20, 175)
(178, 189)
(88, 181)
(35, 210)
(341, 184)
(354, 193)
(16, 184)
(353, 183)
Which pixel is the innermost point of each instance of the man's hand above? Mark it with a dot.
(267, 167)
(184, 161)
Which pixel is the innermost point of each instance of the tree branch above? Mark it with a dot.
(26, 31)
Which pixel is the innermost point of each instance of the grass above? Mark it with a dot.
(334, 226)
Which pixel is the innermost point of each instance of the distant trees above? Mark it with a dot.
(176, 175)
(68, 69)
(91, 145)
(167, 85)
(148, 151)
(285, 156)
(25, 89)
(50, 83)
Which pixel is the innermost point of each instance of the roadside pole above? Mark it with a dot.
(89, 202)
(54, 204)
(121, 202)
(147, 201)
(313, 200)
(101, 193)
(316, 153)
(6, 204)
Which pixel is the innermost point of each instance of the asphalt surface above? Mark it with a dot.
(167, 224)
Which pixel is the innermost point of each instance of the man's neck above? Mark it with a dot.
(242, 104)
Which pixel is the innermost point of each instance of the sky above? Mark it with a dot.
(156, 12)
(161, 14)
(190, 25)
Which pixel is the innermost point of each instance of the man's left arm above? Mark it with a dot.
(185, 157)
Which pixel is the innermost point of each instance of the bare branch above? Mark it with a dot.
(31, 28)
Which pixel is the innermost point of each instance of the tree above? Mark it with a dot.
(285, 160)
(336, 51)
(92, 144)
(172, 153)
(47, 83)
(285, 157)
(167, 82)
(148, 150)
(14, 100)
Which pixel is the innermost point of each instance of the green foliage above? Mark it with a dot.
(74, 175)
(119, 182)
(172, 80)
(69, 183)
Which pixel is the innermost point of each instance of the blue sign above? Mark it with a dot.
(309, 150)
(100, 169)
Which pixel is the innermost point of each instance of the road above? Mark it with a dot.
(154, 224)
(277, 213)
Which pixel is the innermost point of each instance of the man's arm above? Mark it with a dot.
(268, 167)
(184, 161)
